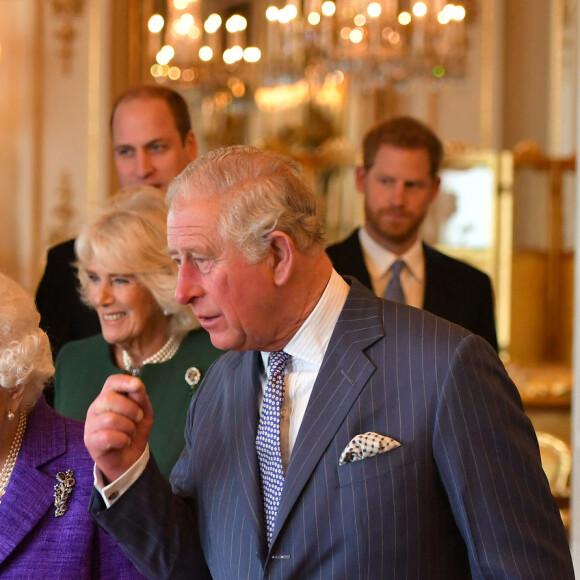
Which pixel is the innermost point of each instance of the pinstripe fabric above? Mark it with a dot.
(463, 496)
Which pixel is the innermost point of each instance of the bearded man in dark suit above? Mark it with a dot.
(400, 179)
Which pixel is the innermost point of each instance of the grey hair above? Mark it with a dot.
(25, 356)
(129, 236)
(259, 192)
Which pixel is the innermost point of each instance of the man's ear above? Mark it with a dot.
(360, 178)
(436, 187)
(191, 145)
(282, 251)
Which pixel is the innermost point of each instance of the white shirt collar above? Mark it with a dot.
(379, 260)
(312, 338)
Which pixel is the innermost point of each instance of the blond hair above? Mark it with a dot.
(129, 236)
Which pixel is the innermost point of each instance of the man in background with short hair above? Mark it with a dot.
(152, 143)
(400, 179)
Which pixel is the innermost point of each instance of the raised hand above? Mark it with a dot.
(118, 425)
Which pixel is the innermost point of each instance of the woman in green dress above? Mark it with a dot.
(127, 277)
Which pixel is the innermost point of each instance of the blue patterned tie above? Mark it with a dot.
(268, 439)
(394, 289)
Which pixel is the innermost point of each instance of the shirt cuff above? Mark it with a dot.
(114, 490)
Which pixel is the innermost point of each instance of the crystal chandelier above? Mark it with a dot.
(190, 50)
(376, 43)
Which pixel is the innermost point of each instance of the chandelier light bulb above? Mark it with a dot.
(236, 23)
(212, 24)
(314, 18)
(155, 23)
(420, 9)
(292, 11)
(404, 18)
(174, 73)
(459, 13)
(237, 53)
(374, 10)
(186, 21)
(165, 54)
(360, 20)
(328, 8)
(272, 13)
(288, 13)
(156, 70)
(233, 54)
(252, 54)
(449, 11)
(356, 35)
(205, 53)
(180, 4)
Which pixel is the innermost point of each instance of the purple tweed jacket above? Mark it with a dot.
(33, 542)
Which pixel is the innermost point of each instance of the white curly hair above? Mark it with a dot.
(25, 356)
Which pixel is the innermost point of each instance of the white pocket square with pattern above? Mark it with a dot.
(366, 445)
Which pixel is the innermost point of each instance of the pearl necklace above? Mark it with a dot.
(10, 462)
(165, 353)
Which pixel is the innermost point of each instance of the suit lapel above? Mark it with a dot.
(247, 391)
(344, 372)
(433, 295)
(356, 261)
(26, 500)
(348, 260)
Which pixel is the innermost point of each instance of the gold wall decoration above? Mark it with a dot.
(63, 212)
(66, 11)
(556, 301)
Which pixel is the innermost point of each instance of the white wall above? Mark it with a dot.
(19, 82)
(53, 126)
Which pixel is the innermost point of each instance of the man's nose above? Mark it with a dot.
(188, 284)
(144, 164)
(397, 193)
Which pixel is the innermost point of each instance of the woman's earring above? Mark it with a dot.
(10, 415)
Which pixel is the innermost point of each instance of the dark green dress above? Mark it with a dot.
(82, 367)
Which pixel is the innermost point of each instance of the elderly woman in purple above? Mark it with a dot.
(46, 474)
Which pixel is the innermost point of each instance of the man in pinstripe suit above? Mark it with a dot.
(405, 449)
